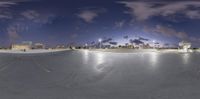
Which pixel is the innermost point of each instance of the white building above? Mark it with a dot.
(25, 45)
(39, 46)
(20, 47)
(184, 46)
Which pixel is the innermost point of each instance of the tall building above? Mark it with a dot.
(184, 45)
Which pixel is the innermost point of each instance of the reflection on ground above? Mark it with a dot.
(100, 75)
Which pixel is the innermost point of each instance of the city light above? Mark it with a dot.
(100, 40)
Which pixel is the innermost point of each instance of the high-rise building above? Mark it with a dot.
(184, 45)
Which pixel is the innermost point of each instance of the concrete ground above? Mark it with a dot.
(100, 75)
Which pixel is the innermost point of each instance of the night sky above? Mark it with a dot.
(55, 22)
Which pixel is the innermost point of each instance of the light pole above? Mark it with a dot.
(86, 45)
(100, 40)
(154, 44)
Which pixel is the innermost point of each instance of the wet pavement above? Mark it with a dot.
(100, 75)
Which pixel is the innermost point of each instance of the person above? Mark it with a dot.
(70, 48)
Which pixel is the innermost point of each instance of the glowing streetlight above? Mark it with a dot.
(154, 41)
(86, 45)
(100, 40)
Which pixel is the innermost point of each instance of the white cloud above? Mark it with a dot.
(4, 12)
(167, 31)
(12, 32)
(170, 32)
(145, 10)
(193, 14)
(120, 24)
(89, 15)
(37, 17)
(6, 3)
(5, 16)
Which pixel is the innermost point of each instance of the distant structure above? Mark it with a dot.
(39, 46)
(184, 45)
(25, 45)
(60, 47)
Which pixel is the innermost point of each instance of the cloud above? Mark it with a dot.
(7, 3)
(37, 17)
(143, 39)
(14, 29)
(145, 10)
(5, 12)
(5, 16)
(89, 15)
(113, 43)
(73, 36)
(170, 32)
(107, 40)
(167, 31)
(119, 24)
(126, 37)
(136, 41)
(12, 32)
(193, 14)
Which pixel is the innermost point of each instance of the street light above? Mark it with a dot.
(154, 44)
(100, 40)
(86, 45)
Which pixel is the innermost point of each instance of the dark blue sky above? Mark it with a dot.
(55, 22)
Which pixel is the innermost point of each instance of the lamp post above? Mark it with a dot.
(100, 40)
(86, 45)
(154, 44)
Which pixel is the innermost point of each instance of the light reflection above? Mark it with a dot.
(153, 58)
(86, 56)
(99, 62)
(186, 57)
(100, 58)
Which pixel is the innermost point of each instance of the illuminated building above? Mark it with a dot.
(20, 47)
(25, 45)
(184, 46)
(39, 46)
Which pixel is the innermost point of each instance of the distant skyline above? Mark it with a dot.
(55, 22)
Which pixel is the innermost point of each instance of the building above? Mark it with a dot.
(60, 47)
(184, 46)
(25, 45)
(39, 46)
(20, 47)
